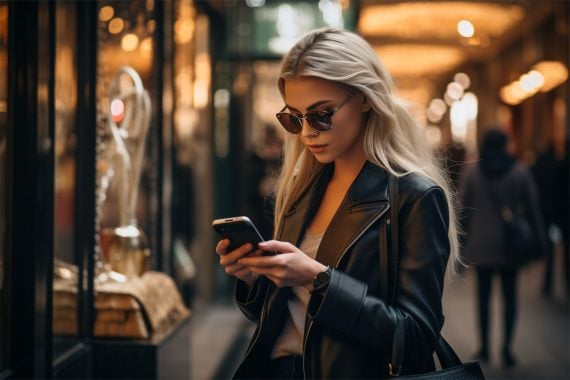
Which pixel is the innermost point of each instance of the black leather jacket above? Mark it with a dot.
(349, 329)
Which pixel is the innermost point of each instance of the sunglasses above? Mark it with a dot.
(318, 120)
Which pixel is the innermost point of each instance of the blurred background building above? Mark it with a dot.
(212, 145)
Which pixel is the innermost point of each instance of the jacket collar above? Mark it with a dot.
(364, 202)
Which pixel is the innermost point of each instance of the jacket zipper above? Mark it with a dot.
(336, 266)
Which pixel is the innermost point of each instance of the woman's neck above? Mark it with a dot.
(347, 171)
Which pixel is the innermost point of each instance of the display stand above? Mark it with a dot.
(165, 356)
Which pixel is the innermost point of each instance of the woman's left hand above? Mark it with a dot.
(290, 267)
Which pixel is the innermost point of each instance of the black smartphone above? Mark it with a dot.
(239, 229)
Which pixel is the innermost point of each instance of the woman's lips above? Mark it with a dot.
(316, 148)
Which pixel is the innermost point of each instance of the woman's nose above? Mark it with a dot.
(307, 130)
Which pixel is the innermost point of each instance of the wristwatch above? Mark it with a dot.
(322, 279)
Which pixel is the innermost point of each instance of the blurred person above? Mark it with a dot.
(496, 175)
(317, 303)
(551, 172)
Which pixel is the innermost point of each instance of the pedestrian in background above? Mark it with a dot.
(551, 172)
(496, 178)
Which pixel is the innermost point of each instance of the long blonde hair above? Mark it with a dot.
(392, 140)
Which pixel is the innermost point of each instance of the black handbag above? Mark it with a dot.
(452, 366)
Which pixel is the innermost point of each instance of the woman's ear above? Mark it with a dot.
(364, 104)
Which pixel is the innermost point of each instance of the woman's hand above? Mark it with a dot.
(228, 260)
(290, 267)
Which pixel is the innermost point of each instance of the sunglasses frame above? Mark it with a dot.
(299, 119)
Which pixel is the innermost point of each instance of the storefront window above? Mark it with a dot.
(4, 180)
(65, 298)
(127, 130)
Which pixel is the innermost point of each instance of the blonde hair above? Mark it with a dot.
(392, 138)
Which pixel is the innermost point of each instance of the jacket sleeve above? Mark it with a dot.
(250, 299)
(347, 308)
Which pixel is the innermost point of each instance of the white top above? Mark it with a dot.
(291, 339)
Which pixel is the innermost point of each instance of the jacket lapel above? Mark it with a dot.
(297, 219)
(365, 201)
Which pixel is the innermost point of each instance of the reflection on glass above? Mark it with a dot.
(125, 38)
(3, 177)
(65, 295)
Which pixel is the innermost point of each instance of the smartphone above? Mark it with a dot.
(239, 229)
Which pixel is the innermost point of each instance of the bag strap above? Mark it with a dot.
(445, 353)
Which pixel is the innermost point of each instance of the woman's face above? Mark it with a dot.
(344, 141)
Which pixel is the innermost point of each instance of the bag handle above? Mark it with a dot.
(445, 353)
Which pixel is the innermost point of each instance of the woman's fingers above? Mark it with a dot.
(233, 256)
(277, 246)
(233, 269)
(260, 261)
(222, 246)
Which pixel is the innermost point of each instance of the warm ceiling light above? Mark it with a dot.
(129, 42)
(554, 73)
(106, 13)
(465, 28)
(436, 19)
(436, 110)
(462, 79)
(512, 94)
(438, 106)
(531, 81)
(454, 90)
(116, 25)
(545, 76)
(419, 60)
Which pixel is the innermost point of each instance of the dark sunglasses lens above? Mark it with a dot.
(319, 120)
(290, 122)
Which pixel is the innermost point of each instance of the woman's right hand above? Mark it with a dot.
(228, 260)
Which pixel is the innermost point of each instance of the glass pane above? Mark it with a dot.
(127, 151)
(65, 295)
(3, 180)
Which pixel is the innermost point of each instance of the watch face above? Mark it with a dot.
(322, 279)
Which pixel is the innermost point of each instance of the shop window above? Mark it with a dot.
(66, 273)
(4, 180)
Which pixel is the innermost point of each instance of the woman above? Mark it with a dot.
(495, 179)
(317, 303)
